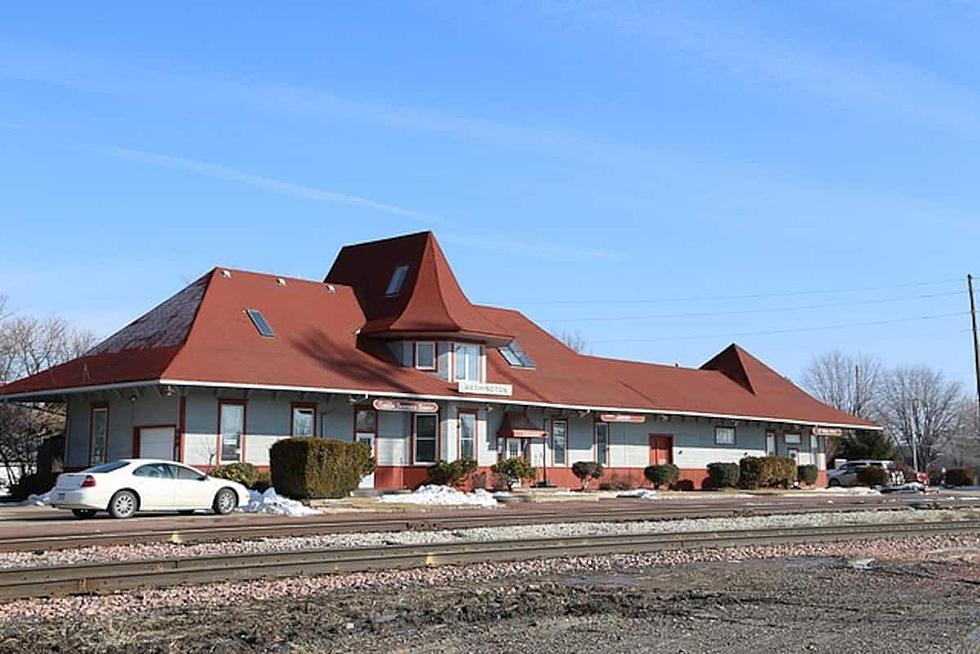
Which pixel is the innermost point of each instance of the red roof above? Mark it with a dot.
(327, 338)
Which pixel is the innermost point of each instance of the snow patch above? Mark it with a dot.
(272, 502)
(37, 500)
(441, 496)
(641, 493)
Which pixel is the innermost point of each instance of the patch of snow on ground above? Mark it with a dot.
(37, 500)
(272, 502)
(441, 496)
(641, 493)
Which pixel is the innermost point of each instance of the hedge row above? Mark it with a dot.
(307, 468)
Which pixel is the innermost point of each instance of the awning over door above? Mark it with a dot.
(519, 425)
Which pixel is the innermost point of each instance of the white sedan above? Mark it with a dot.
(126, 486)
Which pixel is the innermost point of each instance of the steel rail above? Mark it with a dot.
(334, 524)
(17, 583)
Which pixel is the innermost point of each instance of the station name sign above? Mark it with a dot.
(827, 431)
(622, 417)
(405, 406)
(480, 388)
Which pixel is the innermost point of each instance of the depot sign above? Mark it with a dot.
(623, 417)
(480, 388)
(405, 406)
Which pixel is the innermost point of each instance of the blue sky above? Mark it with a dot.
(663, 178)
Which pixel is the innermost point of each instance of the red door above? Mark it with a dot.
(661, 449)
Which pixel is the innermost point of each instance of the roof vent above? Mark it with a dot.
(280, 281)
(226, 274)
(331, 288)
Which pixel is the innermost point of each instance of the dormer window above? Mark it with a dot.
(397, 280)
(425, 355)
(467, 362)
(514, 354)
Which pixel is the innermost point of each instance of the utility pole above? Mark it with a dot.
(856, 407)
(976, 342)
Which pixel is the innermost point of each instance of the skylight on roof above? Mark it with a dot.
(397, 279)
(261, 324)
(515, 355)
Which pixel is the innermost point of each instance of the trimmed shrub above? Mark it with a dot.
(451, 474)
(304, 468)
(723, 475)
(959, 477)
(807, 474)
(617, 482)
(262, 483)
(586, 471)
(778, 472)
(872, 476)
(244, 473)
(662, 475)
(515, 470)
(750, 470)
(36, 483)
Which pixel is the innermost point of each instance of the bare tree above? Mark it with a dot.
(575, 341)
(921, 409)
(28, 346)
(849, 383)
(963, 448)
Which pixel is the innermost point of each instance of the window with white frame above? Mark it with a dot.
(425, 433)
(467, 435)
(467, 362)
(559, 442)
(725, 435)
(602, 443)
(425, 355)
(99, 434)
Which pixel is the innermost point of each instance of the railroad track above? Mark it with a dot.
(334, 524)
(117, 576)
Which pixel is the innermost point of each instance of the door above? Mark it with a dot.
(661, 449)
(154, 483)
(367, 481)
(191, 488)
(155, 443)
(770, 444)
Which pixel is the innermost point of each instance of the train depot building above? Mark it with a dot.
(388, 350)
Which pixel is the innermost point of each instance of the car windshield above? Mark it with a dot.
(107, 467)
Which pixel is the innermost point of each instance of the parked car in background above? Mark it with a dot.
(846, 473)
(126, 486)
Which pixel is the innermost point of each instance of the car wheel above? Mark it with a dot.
(833, 482)
(225, 501)
(83, 513)
(123, 504)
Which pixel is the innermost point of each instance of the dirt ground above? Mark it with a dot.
(774, 605)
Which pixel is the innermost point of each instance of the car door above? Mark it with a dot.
(191, 488)
(154, 483)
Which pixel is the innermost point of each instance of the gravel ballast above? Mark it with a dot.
(916, 594)
(558, 530)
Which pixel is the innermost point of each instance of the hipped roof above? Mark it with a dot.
(326, 340)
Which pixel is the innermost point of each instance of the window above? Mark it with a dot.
(467, 362)
(725, 435)
(303, 420)
(559, 442)
(514, 355)
(467, 435)
(397, 279)
(98, 434)
(185, 474)
(153, 471)
(602, 443)
(792, 439)
(425, 355)
(365, 420)
(425, 438)
(108, 467)
(261, 324)
(232, 429)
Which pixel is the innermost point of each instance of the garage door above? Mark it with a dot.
(156, 443)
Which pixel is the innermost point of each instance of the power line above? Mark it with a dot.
(703, 314)
(748, 296)
(783, 331)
